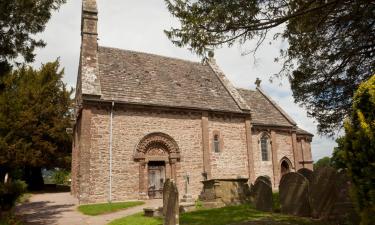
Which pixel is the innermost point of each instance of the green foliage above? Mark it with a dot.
(9, 193)
(221, 216)
(20, 20)
(8, 218)
(359, 149)
(98, 209)
(198, 204)
(61, 176)
(330, 44)
(338, 155)
(34, 114)
(323, 162)
(276, 207)
(138, 219)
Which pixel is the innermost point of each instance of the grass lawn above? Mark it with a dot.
(222, 216)
(98, 209)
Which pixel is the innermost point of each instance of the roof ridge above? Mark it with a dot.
(277, 106)
(153, 54)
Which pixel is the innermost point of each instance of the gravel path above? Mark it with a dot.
(61, 209)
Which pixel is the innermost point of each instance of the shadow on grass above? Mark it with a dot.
(238, 214)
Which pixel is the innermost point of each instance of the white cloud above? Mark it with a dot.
(138, 25)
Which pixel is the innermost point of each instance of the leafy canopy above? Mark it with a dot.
(20, 20)
(323, 162)
(34, 115)
(331, 44)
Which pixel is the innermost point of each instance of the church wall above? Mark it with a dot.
(284, 148)
(262, 168)
(231, 161)
(304, 150)
(130, 126)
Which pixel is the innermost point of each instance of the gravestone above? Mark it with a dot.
(322, 192)
(266, 179)
(171, 205)
(293, 191)
(343, 210)
(166, 188)
(308, 174)
(262, 194)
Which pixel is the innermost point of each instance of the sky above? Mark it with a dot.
(138, 25)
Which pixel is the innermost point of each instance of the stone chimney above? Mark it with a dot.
(89, 82)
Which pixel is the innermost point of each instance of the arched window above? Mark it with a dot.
(264, 147)
(216, 143)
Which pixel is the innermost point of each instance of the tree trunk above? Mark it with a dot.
(34, 179)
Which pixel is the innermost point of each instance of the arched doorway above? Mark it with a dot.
(157, 155)
(285, 166)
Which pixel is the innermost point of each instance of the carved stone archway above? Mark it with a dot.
(156, 147)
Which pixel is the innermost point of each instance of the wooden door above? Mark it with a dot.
(156, 178)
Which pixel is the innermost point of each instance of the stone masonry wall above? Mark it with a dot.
(262, 168)
(231, 161)
(284, 148)
(129, 127)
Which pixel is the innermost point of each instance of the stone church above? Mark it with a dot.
(142, 118)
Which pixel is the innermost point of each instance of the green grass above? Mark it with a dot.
(234, 215)
(137, 219)
(98, 209)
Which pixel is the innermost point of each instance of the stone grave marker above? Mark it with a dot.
(266, 179)
(308, 174)
(262, 194)
(171, 205)
(343, 210)
(293, 191)
(322, 192)
(166, 188)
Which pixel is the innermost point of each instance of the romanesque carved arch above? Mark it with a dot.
(157, 145)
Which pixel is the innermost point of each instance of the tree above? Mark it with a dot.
(359, 149)
(20, 20)
(323, 162)
(331, 44)
(34, 115)
(338, 155)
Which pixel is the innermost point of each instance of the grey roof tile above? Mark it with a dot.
(262, 110)
(144, 78)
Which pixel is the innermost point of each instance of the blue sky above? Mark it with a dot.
(138, 25)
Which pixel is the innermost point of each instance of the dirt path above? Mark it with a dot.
(61, 209)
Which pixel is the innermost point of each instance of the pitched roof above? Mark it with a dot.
(263, 110)
(303, 132)
(149, 79)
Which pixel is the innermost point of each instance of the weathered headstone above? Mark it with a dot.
(343, 210)
(308, 174)
(166, 191)
(262, 194)
(322, 192)
(171, 205)
(293, 191)
(266, 179)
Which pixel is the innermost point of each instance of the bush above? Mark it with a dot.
(358, 152)
(9, 193)
(61, 177)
